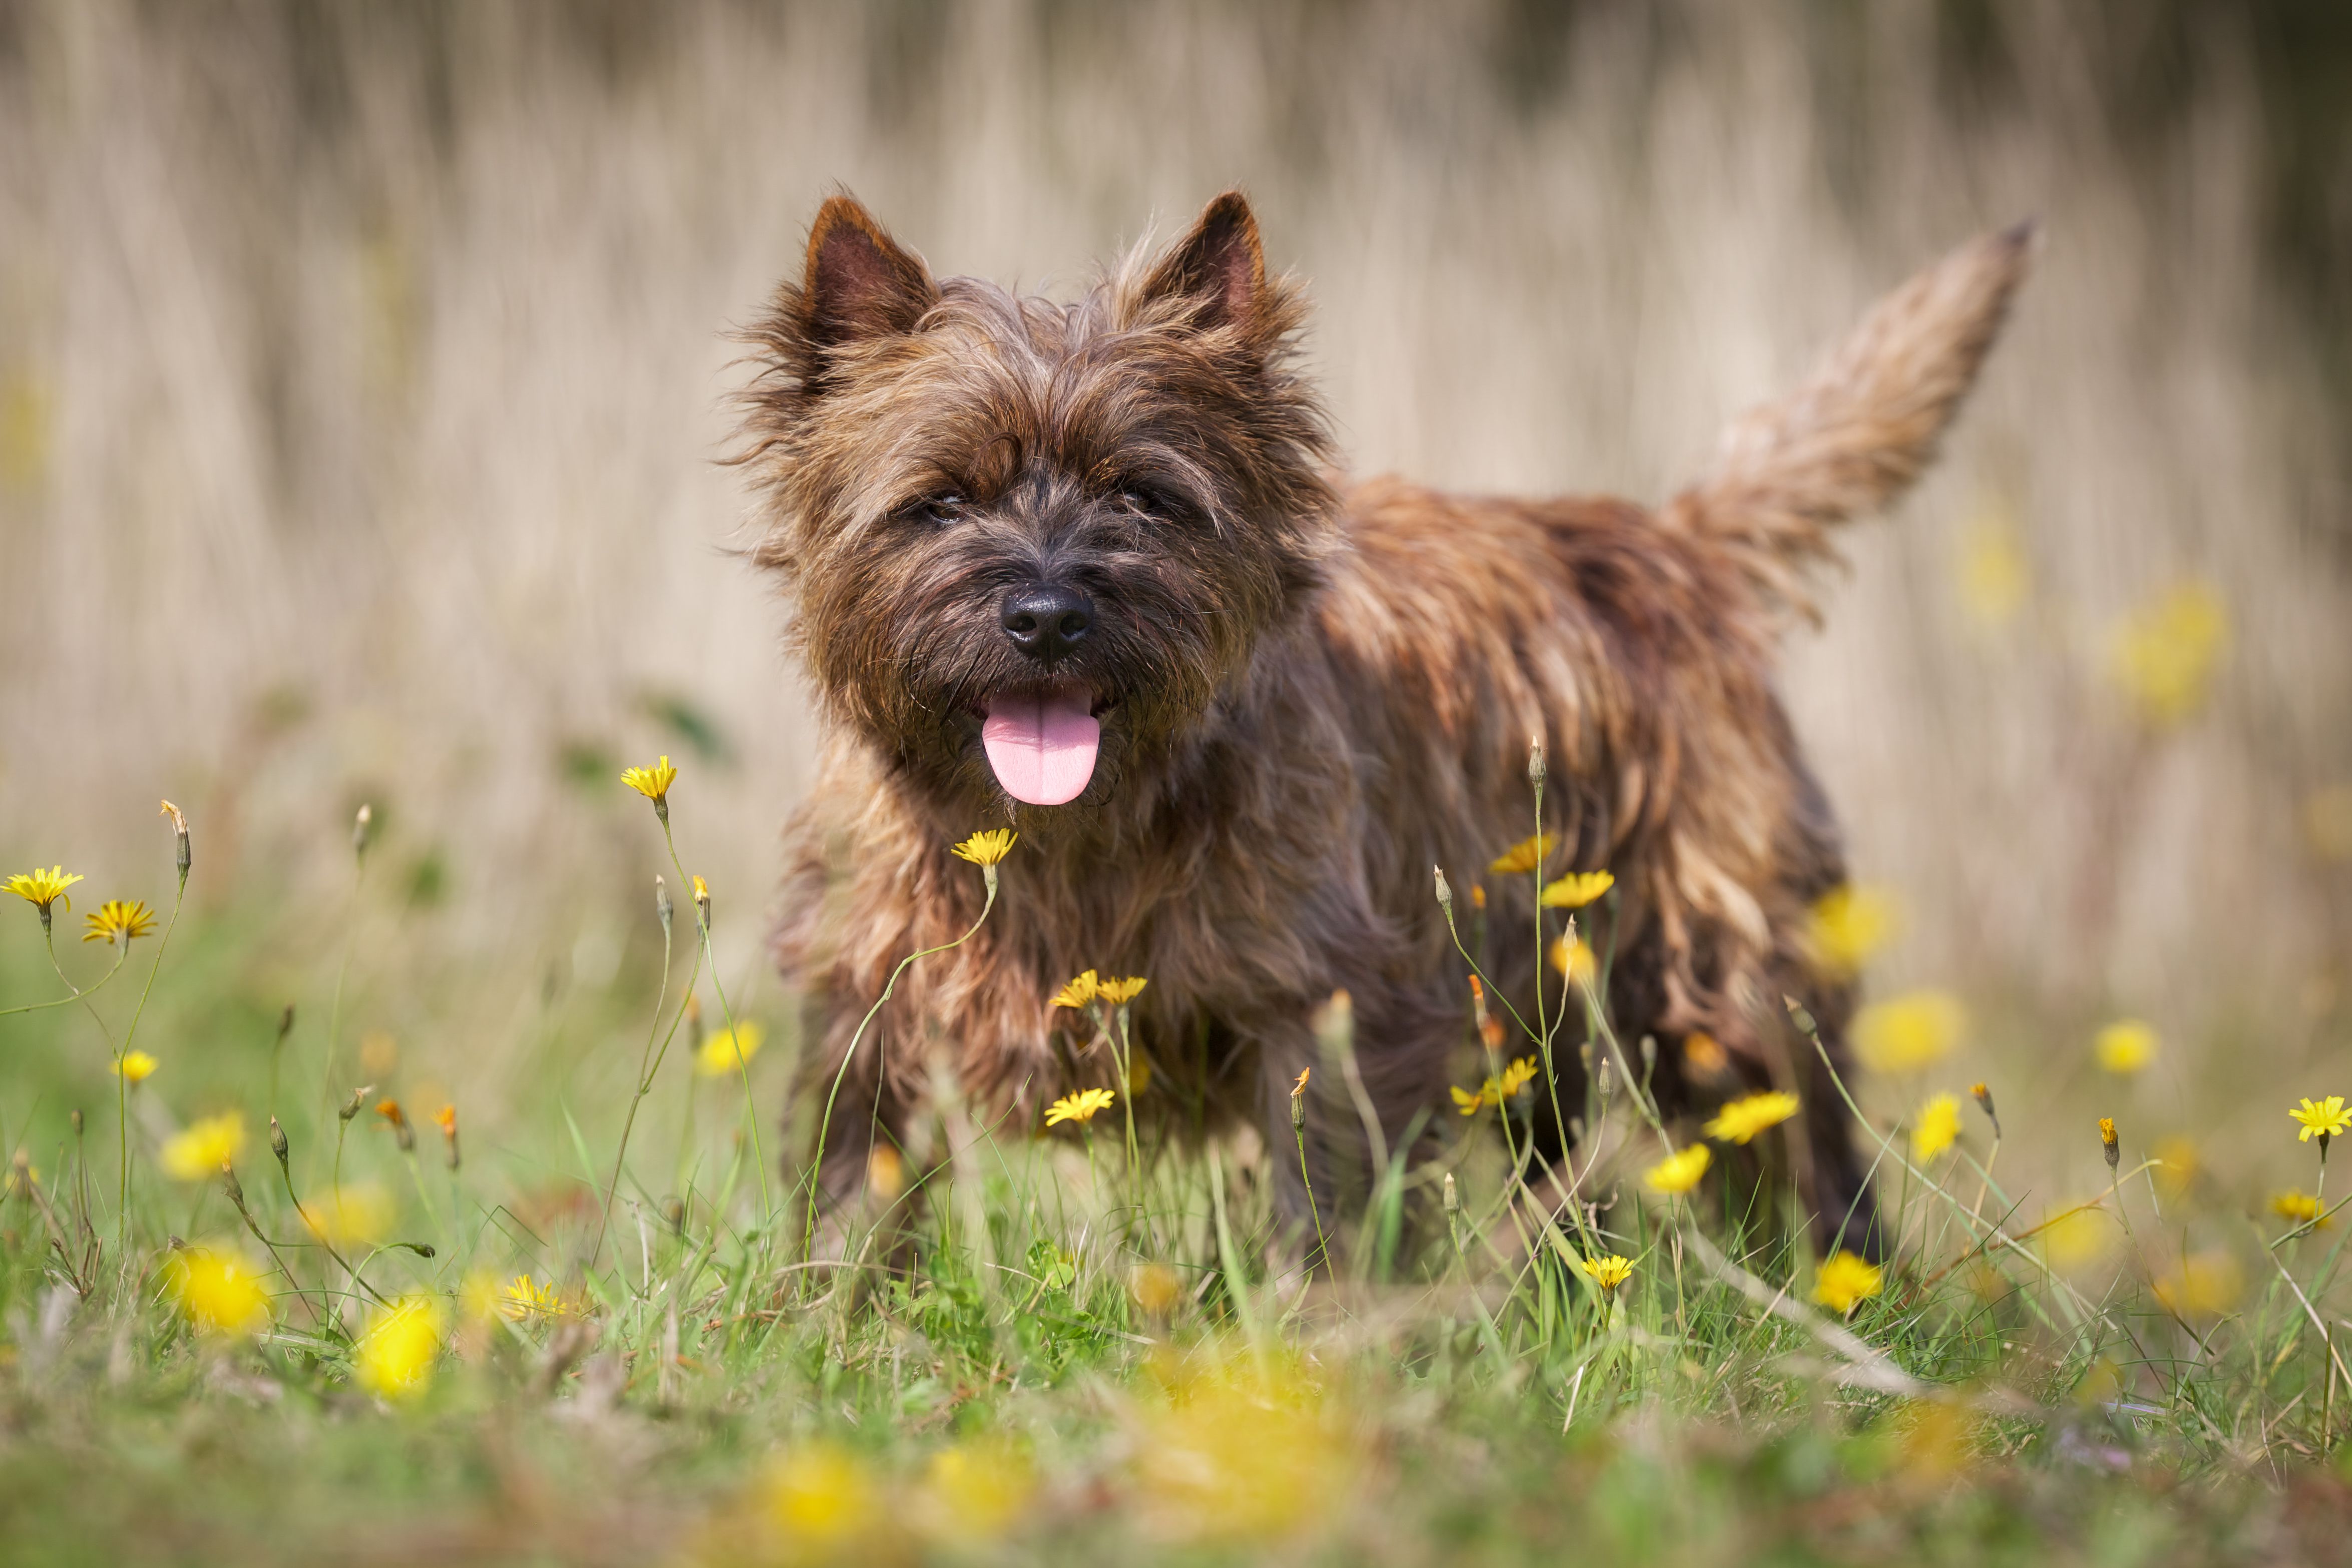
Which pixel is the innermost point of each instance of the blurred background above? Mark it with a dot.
(364, 372)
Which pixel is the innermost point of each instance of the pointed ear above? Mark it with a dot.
(859, 283)
(1220, 264)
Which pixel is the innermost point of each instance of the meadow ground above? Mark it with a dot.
(394, 1338)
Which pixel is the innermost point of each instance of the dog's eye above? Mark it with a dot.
(1151, 501)
(944, 508)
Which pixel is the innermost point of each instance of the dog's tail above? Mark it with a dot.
(1859, 433)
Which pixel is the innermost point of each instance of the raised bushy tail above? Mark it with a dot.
(1857, 434)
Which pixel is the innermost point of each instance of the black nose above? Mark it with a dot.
(1045, 622)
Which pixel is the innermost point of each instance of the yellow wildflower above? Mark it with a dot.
(1079, 1108)
(2107, 1140)
(1300, 1087)
(219, 1291)
(1678, 1173)
(2299, 1207)
(198, 1152)
(524, 1297)
(1995, 576)
(2163, 654)
(394, 1357)
(1739, 1121)
(1116, 991)
(886, 1172)
(1244, 1456)
(117, 920)
(1078, 991)
(2125, 1046)
(136, 1067)
(653, 783)
(974, 1493)
(1608, 1272)
(1575, 960)
(360, 1214)
(719, 1055)
(1496, 1089)
(1906, 1033)
(1523, 857)
(1846, 925)
(987, 848)
(821, 1497)
(1704, 1054)
(1937, 1127)
(1576, 889)
(41, 888)
(2327, 1119)
(1155, 1287)
(2205, 1286)
(1847, 1281)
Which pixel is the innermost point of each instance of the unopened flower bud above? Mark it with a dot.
(662, 905)
(1649, 1055)
(360, 829)
(674, 1211)
(1798, 1016)
(359, 1099)
(702, 900)
(1536, 761)
(1983, 1097)
(277, 1145)
(1604, 1083)
(1453, 1197)
(236, 1189)
(1298, 1113)
(179, 831)
(76, 1123)
(2107, 1140)
(1444, 892)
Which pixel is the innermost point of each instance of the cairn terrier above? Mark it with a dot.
(1086, 571)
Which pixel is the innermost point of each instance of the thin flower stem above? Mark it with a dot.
(750, 1110)
(73, 994)
(122, 1083)
(824, 1122)
(648, 1067)
(335, 1012)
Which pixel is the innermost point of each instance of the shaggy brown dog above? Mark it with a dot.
(1085, 570)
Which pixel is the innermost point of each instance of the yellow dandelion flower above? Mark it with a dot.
(2163, 654)
(1739, 1121)
(198, 1152)
(653, 783)
(987, 848)
(717, 1057)
(974, 1493)
(2126, 1046)
(523, 1297)
(1300, 1087)
(136, 1067)
(1846, 925)
(2327, 1119)
(1936, 1129)
(219, 1293)
(886, 1172)
(2206, 1285)
(1608, 1272)
(1244, 1456)
(2299, 1206)
(1575, 960)
(1995, 578)
(1497, 1089)
(117, 919)
(1678, 1173)
(41, 888)
(1518, 1075)
(1844, 1281)
(821, 1497)
(1079, 1108)
(2107, 1140)
(1704, 1054)
(1155, 1287)
(1469, 1102)
(1116, 991)
(1906, 1033)
(1576, 889)
(1523, 857)
(1078, 991)
(358, 1214)
(394, 1357)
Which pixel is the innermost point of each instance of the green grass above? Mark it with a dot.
(1071, 1357)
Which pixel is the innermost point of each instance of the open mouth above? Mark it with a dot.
(1042, 743)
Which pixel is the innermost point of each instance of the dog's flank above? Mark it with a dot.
(1082, 568)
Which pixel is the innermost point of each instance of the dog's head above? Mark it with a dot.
(1027, 542)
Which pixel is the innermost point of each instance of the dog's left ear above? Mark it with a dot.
(1220, 266)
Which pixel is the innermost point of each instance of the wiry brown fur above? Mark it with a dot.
(1314, 694)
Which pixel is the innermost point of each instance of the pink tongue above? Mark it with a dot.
(1042, 746)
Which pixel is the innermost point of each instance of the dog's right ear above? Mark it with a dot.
(858, 282)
